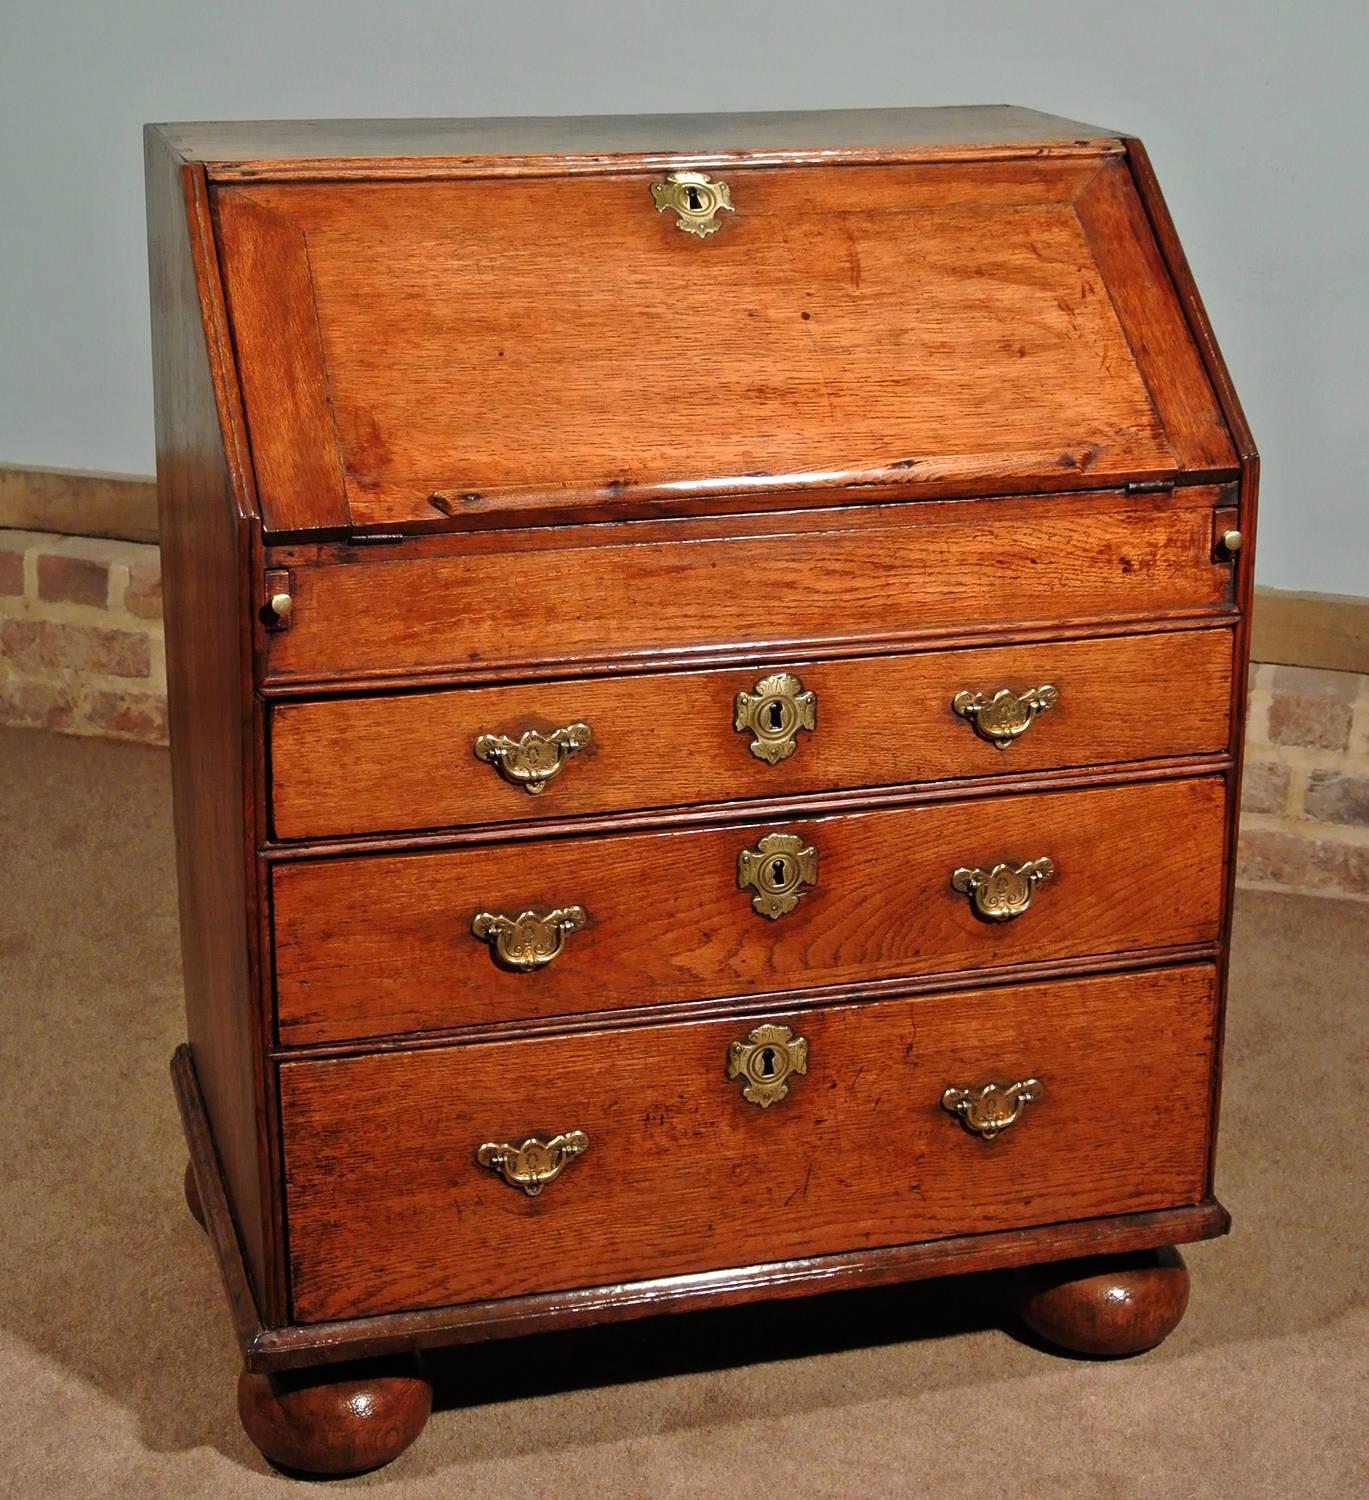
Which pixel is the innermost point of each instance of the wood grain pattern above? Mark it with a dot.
(674, 589)
(1161, 343)
(388, 1209)
(470, 332)
(269, 291)
(376, 946)
(369, 765)
(1176, 263)
(340, 1421)
(250, 150)
(931, 327)
(205, 1169)
(206, 520)
(1109, 1308)
(296, 1346)
(617, 1302)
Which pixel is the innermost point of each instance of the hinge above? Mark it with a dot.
(1150, 487)
(375, 538)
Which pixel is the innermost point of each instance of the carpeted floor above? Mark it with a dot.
(117, 1366)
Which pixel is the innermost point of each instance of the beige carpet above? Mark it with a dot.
(117, 1366)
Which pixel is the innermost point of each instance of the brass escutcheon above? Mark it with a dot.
(1005, 716)
(535, 1163)
(774, 711)
(779, 869)
(1002, 893)
(993, 1107)
(765, 1061)
(533, 758)
(696, 198)
(530, 939)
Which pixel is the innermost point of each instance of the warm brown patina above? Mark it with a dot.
(622, 677)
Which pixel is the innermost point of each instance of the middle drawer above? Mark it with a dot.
(378, 945)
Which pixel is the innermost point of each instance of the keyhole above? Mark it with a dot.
(777, 872)
(768, 1062)
(776, 716)
(692, 198)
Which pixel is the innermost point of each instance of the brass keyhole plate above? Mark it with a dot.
(774, 712)
(765, 1061)
(780, 869)
(696, 198)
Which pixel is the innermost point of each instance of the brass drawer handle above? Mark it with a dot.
(774, 711)
(779, 869)
(535, 1163)
(532, 759)
(1005, 716)
(991, 1108)
(1002, 893)
(530, 939)
(696, 198)
(765, 1061)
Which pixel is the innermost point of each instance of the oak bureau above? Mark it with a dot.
(707, 659)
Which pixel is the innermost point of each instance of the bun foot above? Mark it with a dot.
(1109, 1306)
(336, 1419)
(192, 1197)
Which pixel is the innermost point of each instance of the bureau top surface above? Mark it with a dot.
(252, 149)
(448, 325)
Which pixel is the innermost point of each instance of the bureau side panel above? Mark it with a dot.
(206, 538)
(1200, 326)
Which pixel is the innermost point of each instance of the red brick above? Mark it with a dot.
(1275, 857)
(144, 596)
(37, 645)
(134, 716)
(40, 705)
(1335, 797)
(1319, 721)
(11, 573)
(73, 580)
(1264, 787)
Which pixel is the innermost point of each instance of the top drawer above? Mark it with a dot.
(447, 353)
(717, 589)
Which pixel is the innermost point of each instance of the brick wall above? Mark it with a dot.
(81, 636)
(1305, 803)
(81, 651)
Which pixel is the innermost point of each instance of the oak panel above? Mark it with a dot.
(406, 761)
(206, 520)
(284, 381)
(500, 337)
(388, 1209)
(765, 583)
(372, 946)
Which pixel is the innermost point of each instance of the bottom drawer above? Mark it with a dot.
(390, 1209)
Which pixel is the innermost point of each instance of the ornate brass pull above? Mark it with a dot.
(533, 759)
(779, 869)
(1003, 893)
(774, 711)
(530, 939)
(765, 1061)
(696, 198)
(990, 1109)
(1005, 716)
(535, 1163)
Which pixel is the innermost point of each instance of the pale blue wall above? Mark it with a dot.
(1254, 116)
